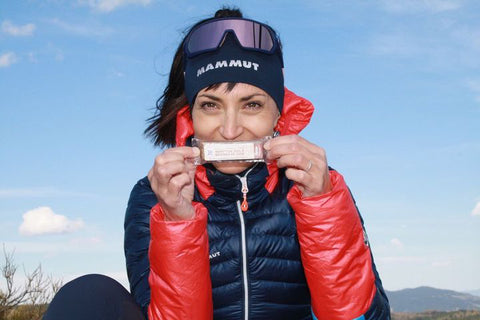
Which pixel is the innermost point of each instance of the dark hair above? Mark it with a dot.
(162, 126)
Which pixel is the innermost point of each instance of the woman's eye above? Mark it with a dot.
(253, 105)
(208, 106)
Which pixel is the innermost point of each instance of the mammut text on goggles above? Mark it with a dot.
(250, 34)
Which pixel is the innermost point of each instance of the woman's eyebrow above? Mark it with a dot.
(251, 96)
(209, 96)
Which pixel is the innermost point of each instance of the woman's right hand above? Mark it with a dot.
(172, 181)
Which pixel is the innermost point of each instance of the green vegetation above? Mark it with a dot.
(25, 312)
(29, 300)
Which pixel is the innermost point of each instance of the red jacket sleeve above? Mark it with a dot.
(335, 255)
(179, 267)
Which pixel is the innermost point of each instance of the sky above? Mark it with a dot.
(395, 84)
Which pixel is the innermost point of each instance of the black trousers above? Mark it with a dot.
(93, 297)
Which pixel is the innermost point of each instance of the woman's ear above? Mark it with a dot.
(276, 119)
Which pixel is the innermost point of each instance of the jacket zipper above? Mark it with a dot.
(243, 180)
(244, 258)
(244, 205)
(241, 208)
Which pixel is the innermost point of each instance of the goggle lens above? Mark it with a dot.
(250, 34)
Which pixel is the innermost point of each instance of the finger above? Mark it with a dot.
(291, 144)
(280, 150)
(287, 140)
(170, 195)
(178, 182)
(297, 161)
(186, 152)
(313, 153)
(163, 173)
(191, 168)
(166, 158)
(309, 185)
(179, 154)
(299, 176)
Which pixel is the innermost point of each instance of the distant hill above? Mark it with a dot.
(426, 298)
(474, 292)
(438, 315)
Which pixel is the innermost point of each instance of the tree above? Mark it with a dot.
(35, 293)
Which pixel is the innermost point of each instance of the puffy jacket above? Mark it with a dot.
(286, 257)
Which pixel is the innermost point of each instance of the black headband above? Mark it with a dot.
(232, 63)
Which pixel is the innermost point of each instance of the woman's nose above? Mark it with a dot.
(231, 127)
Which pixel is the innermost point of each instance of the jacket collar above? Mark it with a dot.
(229, 186)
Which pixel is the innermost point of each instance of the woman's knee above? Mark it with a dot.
(92, 296)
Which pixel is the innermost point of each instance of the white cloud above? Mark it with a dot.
(476, 210)
(85, 30)
(110, 5)
(411, 6)
(18, 31)
(43, 220)
(7, 59)
(396, 243)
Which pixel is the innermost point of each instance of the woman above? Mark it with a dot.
(279, 239)
(243, 240)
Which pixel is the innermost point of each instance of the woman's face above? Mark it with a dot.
(244, 113)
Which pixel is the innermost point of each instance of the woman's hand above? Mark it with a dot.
(306, 163)
(172, 181)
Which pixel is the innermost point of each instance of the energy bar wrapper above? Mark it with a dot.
(220, 151)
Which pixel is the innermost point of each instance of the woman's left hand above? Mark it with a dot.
(305, 163)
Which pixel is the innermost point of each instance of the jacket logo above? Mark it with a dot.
(231, 64)
(214, 255)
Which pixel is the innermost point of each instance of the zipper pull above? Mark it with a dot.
(244, 205)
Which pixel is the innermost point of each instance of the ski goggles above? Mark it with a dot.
(251, 35)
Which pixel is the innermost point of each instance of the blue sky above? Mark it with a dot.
(396, 85)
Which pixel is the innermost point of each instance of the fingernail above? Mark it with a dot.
(266, 146)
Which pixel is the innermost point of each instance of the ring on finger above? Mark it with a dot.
(309, 166)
